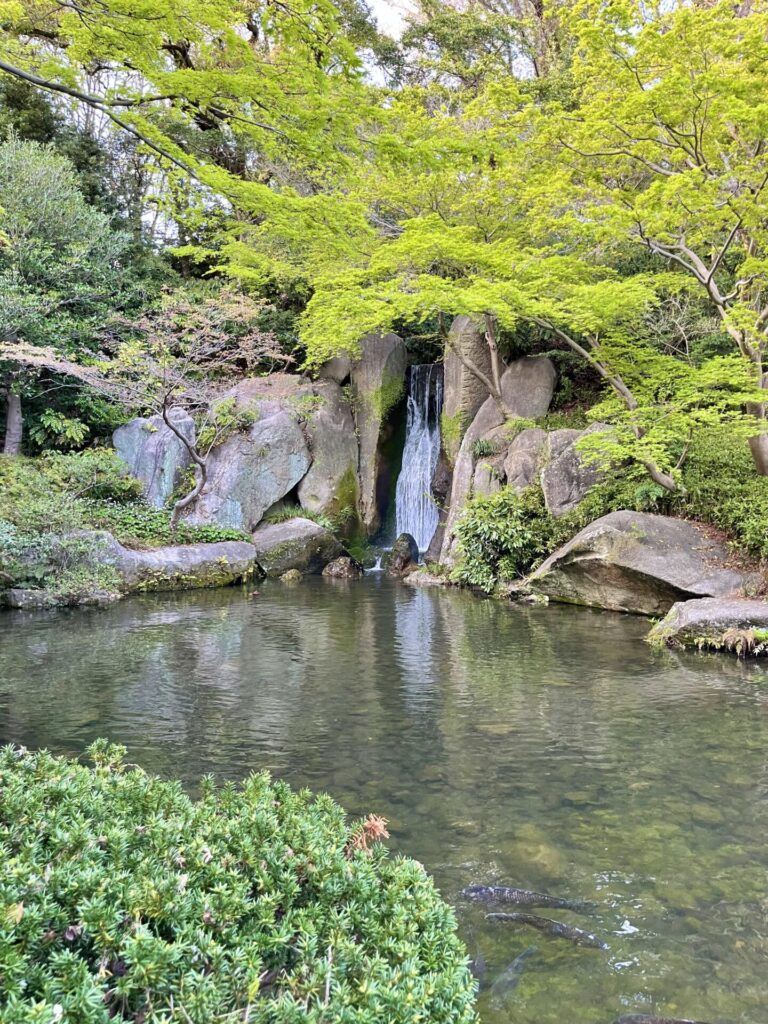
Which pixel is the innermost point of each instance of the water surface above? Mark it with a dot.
(544, 748)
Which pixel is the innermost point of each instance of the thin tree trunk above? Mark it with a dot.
(759, 443)
(14, 424)
(201, 465)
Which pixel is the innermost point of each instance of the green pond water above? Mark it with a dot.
(543, 748)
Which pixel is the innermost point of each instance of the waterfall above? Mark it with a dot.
(415, 510)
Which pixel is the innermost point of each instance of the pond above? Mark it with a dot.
(544, 748)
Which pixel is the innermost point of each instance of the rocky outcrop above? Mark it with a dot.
(154, 454)
(523, 457)
(637, 562)
(378, 380)
(252, 471)
(464, 392)
(527, 386)
(566, 478)
(295, 544)
(184, 566)
(735, 624)
(331, 483)
(489, 475)
(402, 558)
(337, 369)
(344, 568)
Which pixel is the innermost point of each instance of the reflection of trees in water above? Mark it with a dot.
(548, 747)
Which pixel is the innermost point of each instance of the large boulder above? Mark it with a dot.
(718, 623)
(527, 387)
(403, 556)
(566, 478)
(464, 392)
(523, 458)
(337, 369)
(252, 471)
(331, 483)
(185, 566)
(344, 568)
(295, 544)
(378, 380)
(154, 454)
(637, 562)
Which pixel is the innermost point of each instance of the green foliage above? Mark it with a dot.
(500, 537)
(47, 503)
(139, 525)
(122, 897)
(482, 448)
(225, 418)
(335, 522)
(383, 400)
(451, 431)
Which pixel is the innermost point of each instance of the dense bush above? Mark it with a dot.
(123, 899)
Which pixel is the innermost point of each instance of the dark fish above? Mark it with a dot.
(645, 1018)
(508, 980)
(521, 897)
(555, 928)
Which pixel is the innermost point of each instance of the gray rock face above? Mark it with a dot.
(565, 478)
(344, 568)
(527, 386)
(489, 472)
(464, 393)
(184, 566)
(331, 482)
(636, 562)
(337, 369)
(295, 544)
(249, 472)
(378, 379)
(403, 557)
(154, 454)
(707, 621)
(523, 456)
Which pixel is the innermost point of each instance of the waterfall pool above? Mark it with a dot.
(544, 748)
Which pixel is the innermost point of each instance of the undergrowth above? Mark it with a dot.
(123, 899)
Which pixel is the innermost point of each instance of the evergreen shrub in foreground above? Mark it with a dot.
(121, 898)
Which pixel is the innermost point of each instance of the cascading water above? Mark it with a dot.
(415, 509)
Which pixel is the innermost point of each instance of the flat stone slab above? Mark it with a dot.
(738, 624)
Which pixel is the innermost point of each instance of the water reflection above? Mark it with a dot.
(547, 748)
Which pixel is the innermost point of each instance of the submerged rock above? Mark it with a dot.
(154, 454)
(638, 562)
(402, 558)
(735, 624)
(378, 378)
(295, 544)
(344, 568)
(292, 576)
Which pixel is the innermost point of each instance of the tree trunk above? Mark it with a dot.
(759, 444)
(14, 424)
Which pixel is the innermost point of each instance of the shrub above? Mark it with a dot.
(121, 898)
(139, 524)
